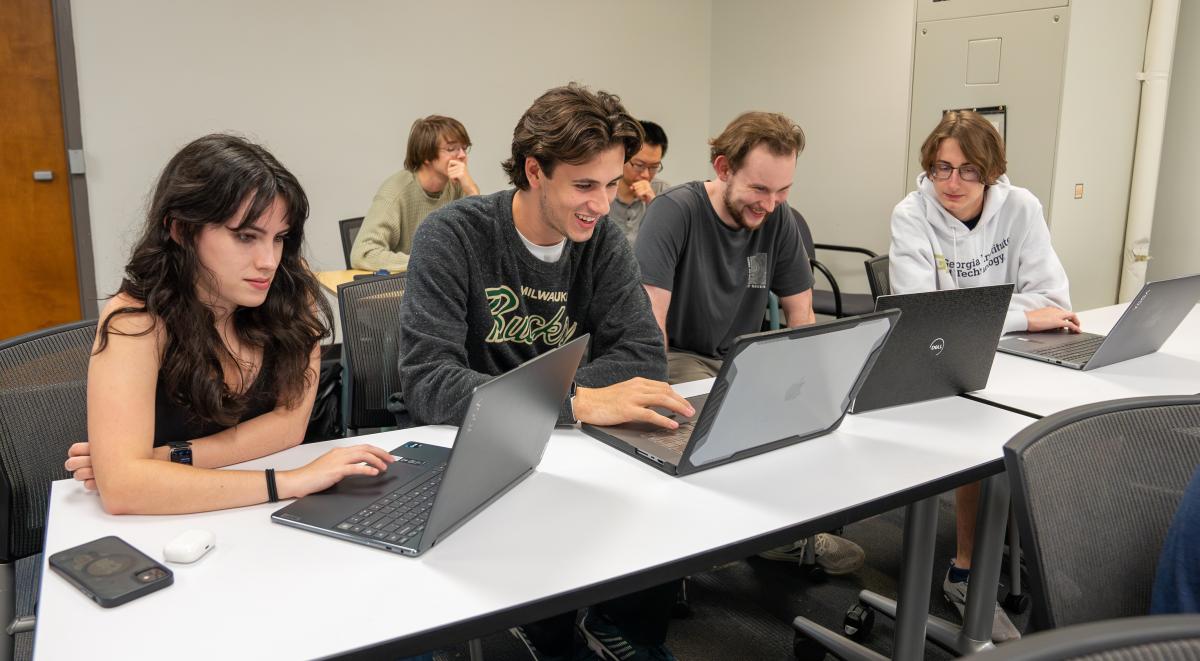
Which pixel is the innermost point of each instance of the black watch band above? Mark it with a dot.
(571, 401)
(181, 452)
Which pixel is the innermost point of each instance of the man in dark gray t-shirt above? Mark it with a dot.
(710, 251)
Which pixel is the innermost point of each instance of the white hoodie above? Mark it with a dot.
(931, 249)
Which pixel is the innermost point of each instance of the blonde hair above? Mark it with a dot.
(748, 130)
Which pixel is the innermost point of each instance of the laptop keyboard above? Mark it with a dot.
(1077, 352)
(398, 516)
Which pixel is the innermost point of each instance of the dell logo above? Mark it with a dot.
(937, 346)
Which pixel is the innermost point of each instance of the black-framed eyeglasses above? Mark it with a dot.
(453, 149)
(639, 166)
(941, 171)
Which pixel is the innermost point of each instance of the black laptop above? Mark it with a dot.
(774, 389)
(943, 345)
(1149, 320)
(430, 490)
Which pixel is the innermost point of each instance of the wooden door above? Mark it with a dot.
(39, 286)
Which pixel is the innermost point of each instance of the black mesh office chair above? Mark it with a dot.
(1147, 638)
(43, 410)
(832, 301)
(349, 231)
(877, 276)
(370, 311)
(1088, 476)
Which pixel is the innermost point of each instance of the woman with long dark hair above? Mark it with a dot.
(208, 354)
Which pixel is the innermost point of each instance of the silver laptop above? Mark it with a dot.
(1149, 320)
(430, 490)
(943, 345)
(774, 389)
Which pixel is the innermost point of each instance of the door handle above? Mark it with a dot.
(43, 175)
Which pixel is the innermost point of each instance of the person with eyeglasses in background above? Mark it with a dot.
(638, 186)
(435, 173)
(967, 226)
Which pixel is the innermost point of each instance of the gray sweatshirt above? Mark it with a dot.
(477, 303)
(933, 250)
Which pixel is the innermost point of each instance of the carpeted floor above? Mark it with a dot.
(744, 610)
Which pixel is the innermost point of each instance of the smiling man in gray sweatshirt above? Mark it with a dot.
(495, 280)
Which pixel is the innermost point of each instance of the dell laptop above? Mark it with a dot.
(429, 490)
(1149, 320)
(943, 345)
(774, 389)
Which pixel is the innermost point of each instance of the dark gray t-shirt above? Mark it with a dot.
(718, 277)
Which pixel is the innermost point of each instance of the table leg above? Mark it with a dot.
(912, 604)
(912, 608)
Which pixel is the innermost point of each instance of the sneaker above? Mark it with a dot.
(836, 555)
(607, 641)
(1003, 629)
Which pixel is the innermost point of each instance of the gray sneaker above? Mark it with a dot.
(836, 555)
(1003, 629)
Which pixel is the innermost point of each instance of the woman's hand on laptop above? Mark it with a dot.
(329, 469)
(1052, 318)
(630, 401)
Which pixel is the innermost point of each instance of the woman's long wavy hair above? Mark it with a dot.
(206, 183)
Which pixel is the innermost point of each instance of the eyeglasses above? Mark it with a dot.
(453, 149)
(967, 172)
(639, 166)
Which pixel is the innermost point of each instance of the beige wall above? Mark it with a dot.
(842, 71)
(332, 88)
(1175, 242)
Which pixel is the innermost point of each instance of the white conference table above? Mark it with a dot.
(1040, 389)
(589, 524)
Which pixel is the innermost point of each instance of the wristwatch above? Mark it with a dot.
(571, 401)
(181, 452)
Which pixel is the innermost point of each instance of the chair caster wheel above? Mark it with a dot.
(681, 610)
(858, 622)
(1017, 603)
(807, 649)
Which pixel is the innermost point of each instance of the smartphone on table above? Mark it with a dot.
(110, 571)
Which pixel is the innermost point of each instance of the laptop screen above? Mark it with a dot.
(791, 383)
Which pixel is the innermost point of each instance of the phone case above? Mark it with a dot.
(110, 571)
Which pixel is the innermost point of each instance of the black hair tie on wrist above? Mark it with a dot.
(272, 491)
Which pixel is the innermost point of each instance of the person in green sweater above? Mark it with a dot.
(435, 174)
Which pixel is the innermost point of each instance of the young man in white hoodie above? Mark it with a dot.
(966, 226)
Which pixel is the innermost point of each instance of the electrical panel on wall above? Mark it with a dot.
(1006, 59)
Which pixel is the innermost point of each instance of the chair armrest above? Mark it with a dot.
(833, 286)
(21, 625)
(831, 246)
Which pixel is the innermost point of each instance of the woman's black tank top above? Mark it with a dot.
(173, 422)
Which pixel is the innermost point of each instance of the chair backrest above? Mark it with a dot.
(43, 410)
(1125, 639)
(805, 233)
(370, 312)
(1096, 488)
(348, 229)
(877, 276)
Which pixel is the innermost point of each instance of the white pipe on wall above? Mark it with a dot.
(1152, 119)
